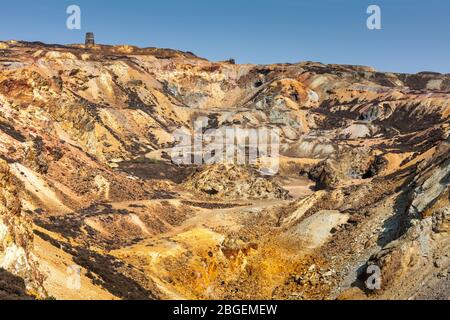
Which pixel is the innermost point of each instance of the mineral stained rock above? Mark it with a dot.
(92, 206)
(235, 182)
(17, 260)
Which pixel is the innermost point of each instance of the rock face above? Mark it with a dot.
(16, 239)
(345, 166)
(86, 133)
(234, 182)
(417, 254)
(432, 183)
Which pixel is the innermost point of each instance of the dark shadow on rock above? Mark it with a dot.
(12, 287)
(111, 273)
(396, 225)
(158, 170)
(361, 277)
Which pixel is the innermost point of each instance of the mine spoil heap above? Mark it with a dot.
(88, 187)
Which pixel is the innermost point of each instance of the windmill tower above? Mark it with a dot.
(90, 41)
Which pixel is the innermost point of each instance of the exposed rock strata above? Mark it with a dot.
(86, 132)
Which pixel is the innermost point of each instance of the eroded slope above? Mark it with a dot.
(364, 155)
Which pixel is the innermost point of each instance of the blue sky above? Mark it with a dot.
(415, 35)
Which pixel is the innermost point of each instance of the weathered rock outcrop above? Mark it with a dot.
(234, 182)
(16, 237)
(355, 163)
(88, 132)
(422, 252)
(432, 182)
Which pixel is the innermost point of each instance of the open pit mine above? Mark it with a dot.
(92, 206)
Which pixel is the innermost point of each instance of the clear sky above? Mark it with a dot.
(415, 35)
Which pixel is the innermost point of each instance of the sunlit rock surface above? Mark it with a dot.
(86, 180)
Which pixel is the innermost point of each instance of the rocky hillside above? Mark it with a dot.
(21, 277)
(87, 181)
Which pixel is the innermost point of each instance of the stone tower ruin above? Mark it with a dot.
(90, 41)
